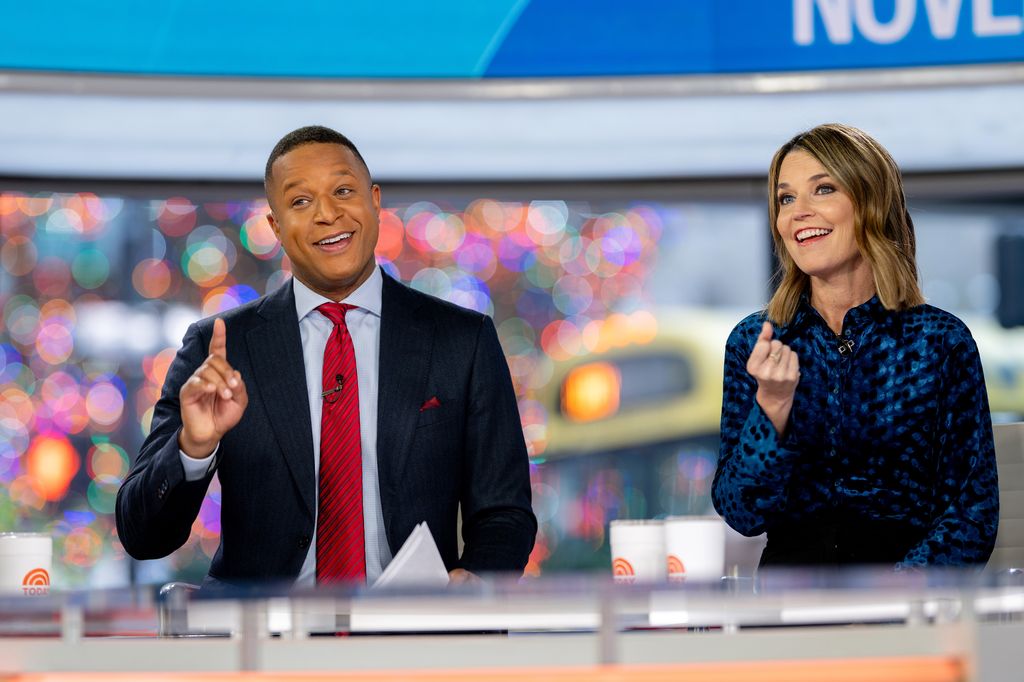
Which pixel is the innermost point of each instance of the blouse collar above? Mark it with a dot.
(857, 317)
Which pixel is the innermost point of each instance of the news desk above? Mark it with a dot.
(779, 627)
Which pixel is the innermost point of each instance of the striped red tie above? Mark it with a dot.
(340, 554)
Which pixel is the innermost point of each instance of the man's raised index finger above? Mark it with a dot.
(219, 342)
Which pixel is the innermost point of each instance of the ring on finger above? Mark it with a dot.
(775, 356)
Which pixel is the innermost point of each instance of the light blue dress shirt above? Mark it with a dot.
(314, 329)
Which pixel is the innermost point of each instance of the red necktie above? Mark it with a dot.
(340, 554)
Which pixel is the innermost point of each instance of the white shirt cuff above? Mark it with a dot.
(198, 469)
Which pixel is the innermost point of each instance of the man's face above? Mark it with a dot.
(325, 213)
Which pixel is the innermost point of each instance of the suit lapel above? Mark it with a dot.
(406, 344)
(275, 352)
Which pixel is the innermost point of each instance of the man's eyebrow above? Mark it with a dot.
(819, 176)
(293, 183)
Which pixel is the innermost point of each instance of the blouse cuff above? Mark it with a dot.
(772, 456)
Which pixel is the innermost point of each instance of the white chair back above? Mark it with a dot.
(1009, 551)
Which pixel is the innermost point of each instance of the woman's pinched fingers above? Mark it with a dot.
(762, 346)
(793, 365)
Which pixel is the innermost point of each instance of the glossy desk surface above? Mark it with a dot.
(784, 626)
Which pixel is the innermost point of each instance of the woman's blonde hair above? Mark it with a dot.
(883, 228)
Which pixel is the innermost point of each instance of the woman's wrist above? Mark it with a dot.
(776, 409)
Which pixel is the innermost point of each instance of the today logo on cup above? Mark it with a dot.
(25, 564)
(623, 571)
(695, 547)
(36, 582)
(676, 569)
(638, 551)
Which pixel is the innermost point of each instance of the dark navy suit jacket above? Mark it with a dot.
(469, 451)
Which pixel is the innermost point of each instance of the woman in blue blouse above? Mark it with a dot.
(855, 423)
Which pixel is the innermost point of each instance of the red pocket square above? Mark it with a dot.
(430, 404)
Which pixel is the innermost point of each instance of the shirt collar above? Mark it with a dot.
(367, 296)
(872, 309)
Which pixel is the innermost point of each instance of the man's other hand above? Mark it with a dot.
(212, 400)
(461, 576)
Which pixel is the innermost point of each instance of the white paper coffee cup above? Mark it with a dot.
(638, 551)
(695, 547)
(25, 563)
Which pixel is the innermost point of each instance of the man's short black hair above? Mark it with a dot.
(309, 135)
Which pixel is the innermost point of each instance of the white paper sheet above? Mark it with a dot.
(417, 564)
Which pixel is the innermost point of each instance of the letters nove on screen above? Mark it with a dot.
(839, 17)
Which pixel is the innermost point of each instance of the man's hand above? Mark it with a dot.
(461, 576)
(212, 400)
(777, 370)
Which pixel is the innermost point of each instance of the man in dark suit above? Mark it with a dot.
(437, 426)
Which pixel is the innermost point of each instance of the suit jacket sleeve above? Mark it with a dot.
(498, 524)
(156, 506)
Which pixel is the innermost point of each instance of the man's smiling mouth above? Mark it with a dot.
(327, 241)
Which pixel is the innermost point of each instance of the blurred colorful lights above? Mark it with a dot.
(391, 236)
(151, 278)
(258, 237)
(176, 216)
(90, 268)
(222, 299)
(54, 343)
(204, 264)
(560, 279)
(51, 463)
(591, 392)
(107, 459)
(105, 403)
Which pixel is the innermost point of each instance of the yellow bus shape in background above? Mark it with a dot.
(616, 398)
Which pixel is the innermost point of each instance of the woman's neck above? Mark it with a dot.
(834, 298)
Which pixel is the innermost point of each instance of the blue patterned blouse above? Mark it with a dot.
(896, 429)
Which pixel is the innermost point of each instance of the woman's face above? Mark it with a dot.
(816, 219)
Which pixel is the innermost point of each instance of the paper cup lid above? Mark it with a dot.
(25, 543)
(707, 518)
(646, 531)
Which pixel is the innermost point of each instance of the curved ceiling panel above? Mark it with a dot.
(505, 38)
(948, 127)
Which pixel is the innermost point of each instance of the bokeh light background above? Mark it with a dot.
(97, 292)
